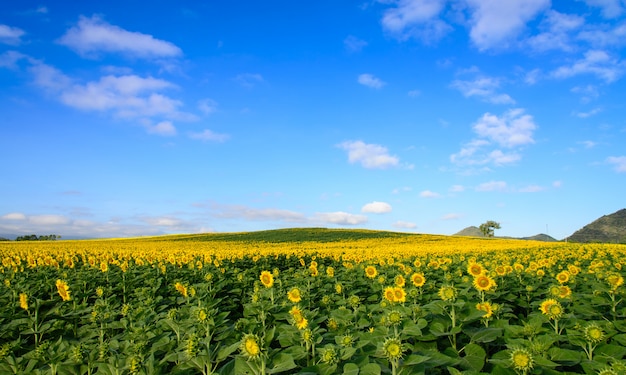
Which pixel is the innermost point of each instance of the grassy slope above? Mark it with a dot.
(290, 235)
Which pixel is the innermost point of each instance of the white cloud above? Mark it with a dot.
(404, 225)
(557, 184)
(48, 219)
(94, 35)
(208, 135)
(496, 23)
(451, 216)
(164, 128)
(370, 81)
(590, 113)
(484, 88)
(249, 80)
(531, 189)
(255, 214)
(619, 163)
(370, 156)
(457, 188)
(13, 216)
(207, 106)
(376, 208)
(11, 35)
(588, 93)
(9, 59)
(557, 29)
(532, 76)
(128, 96)
(596, 62)
(429, 194)
(610, 8)
(416, 19)
(603, 36)
(341, 218)
(354, 44)
(512, 129)
(400, 190)
(492, 186)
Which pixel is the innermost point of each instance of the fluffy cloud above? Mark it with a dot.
(531, 189)
(207, 135)
(369, 155)
(370, 81)
(416, 19)
(254, 214)
(207, 106)
(484, 88)
(404, 225)
(127, 96)
(376, 208)
(556, 35)
(429, 194)
(341, 218)
(249, 80)
(511, 131)
(609, 8)
(11, 35)
(492, 186)
(496, 23)
(354, 44)
(165, 128)
(93, 35)
(618, 162)
(595, 62)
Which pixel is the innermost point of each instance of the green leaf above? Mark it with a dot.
(485, 334)
(610, 350)
(414, 359)
(475, 356)
(370, 369)
(565, 357)
(350, 369)
(282, 362)
(224, 352)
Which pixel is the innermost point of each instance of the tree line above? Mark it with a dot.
(34, 237)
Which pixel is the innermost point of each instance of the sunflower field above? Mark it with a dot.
(369, 304)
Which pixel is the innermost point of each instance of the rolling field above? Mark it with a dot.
(312, 301)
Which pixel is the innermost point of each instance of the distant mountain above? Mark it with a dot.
(475, 232)
(470, 232)
(607, 229)
(540, 237)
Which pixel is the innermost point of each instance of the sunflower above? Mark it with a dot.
(418, 279)
(399, 294)
(522, 360)
(562, 277)
(551, 308)
(486, 307)
(64, 290)
(267, 279)
(475, 269)
(399, 281)
(593, 333)
(24, 301)
(294, 295)
(371, 272)
(250, 346)
(182, 289)
(330, 272)
(392, 347)
(483, 283)
(565, 291)
(389, 294)
(615, 280)
(447, 293)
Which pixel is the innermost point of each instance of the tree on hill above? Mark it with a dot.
(487, 228)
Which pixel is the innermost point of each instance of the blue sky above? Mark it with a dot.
(120, 119)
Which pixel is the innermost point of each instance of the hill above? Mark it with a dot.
(291, 235)
(607, 229)
(470, 232)
(475, 232)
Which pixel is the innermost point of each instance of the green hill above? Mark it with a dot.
(607, 229)
(291, 235)
(470, 232)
